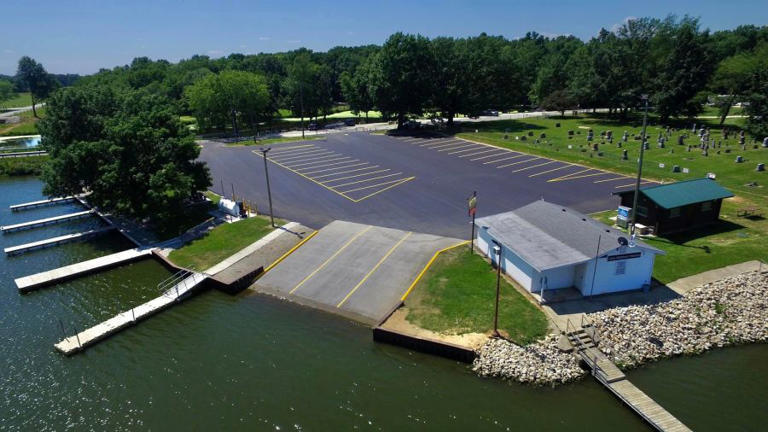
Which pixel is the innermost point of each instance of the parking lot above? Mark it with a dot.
(411, 183)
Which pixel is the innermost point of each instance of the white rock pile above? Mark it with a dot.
(730, 311)
(538, 363)
(726, 312)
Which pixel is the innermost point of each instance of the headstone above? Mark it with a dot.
(765, 142)
(590, 135)
(570, 133)
(739, 159)
(681, 140)
(704, 153)
(557, 124)
(506, 136)
(725, 133)
(646, 146)
(760, 167)
(543, 135)
(686, 170)
(530, 133)
(693, 129)
(618, 144)
(523, 138)
(661, 144)
(609, 135)
(675, 168)
(625, 136)
(594, 147)
(689, 148)
(624, 155)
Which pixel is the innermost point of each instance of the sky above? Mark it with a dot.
(79, 36)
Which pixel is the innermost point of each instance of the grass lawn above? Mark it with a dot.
(736, 239)
(277, 141)
(220, 243)
(27, 125)
(457, 295)
(18, 101)
(213, 196)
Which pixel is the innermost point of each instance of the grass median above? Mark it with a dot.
(457, 296)
(221, 242)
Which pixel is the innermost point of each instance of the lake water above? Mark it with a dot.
(248, 362)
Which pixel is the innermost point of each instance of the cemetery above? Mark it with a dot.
(673, 152)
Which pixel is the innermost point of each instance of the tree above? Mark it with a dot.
(36, 79)
(450, 96)
(301, 76)
(734, 75)
(127, 148)
(229, 95)
(6, 90)
(755, 92)
(558, 100)
(403, 76)
(356, 89)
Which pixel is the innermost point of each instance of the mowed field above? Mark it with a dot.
(419, 184)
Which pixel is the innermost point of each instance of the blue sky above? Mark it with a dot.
(80, 36)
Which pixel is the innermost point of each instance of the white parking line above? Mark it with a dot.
(506, 158)
(488, 156)
(327, 165)
(346, 172)
(518, 163)
(367, 180)
(334, 168)
(356, 175)
(477, 153)
(323, 159)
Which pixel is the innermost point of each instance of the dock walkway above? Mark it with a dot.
(31, 282)
(585, 341)
(80, 341)
(42, 203)
(15, 250)
(46, 221)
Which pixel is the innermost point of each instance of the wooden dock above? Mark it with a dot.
(585, 341)
(88, 337)
(15, 250)
(38, 280)
(46, 221)
(42, 203)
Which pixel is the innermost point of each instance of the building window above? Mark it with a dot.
(621, 268)
(706, 206)
(642, 211)
(674, 212)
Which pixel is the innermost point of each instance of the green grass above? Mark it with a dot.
(27, 125)
(18, 101)
(213, 196)
(277, 141)
(735, 240)
(220, 243)
(457, 295)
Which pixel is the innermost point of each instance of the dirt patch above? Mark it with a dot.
(399, 323)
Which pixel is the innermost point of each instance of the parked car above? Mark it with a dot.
(349, 122)
(490, 112)
(411, 124)
(314, 126)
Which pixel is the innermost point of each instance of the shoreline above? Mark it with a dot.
(729, 312)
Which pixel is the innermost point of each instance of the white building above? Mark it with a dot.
(544, 245)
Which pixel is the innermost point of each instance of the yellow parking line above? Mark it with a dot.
(426, 267)
(475, 154)
(372, 186)
(568, 175)
(335, 254)
(321, 160)
(506, 158)
(329, 164)
(366, 180)
(631, 184)
(517, 163)
(378, 264)
(613, 179)
(384, 189)
(346, 172)
(335, 168)
(309, 154)
(486, 157)
(288, 149)
(285, 255)
(552, 170)
(356, 175)
(534, 166)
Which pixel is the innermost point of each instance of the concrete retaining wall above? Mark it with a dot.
(428, 346)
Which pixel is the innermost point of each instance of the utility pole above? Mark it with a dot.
(639, 171)
(264, 151)
(497, 251)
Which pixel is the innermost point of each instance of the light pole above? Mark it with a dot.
(264, 151)
(639, 171)
(497, 251)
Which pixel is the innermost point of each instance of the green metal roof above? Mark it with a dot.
(685, 192)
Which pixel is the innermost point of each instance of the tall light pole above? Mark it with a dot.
(497, 251)
(264, 151)
(639, 171)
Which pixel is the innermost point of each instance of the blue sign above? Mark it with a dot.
(623, 212)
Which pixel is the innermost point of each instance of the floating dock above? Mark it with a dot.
(15, 250)
(38, 280)
(46, 221)
(585, 341)
(42, 203)
(88, 337)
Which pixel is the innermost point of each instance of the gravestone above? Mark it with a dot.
(661, 144)
(523, 138)
(646, 146)
(543, 135)
(693, 129)
(609, 135)
(739, 159)
(625, 136)
(618, 144)
(624, 155)
(681, 140)
(675, 168)
(506, 136)
(570, 133)
(590, 135)
(594, 147)
(530, 133)
(689, 148)
(765, 142)
(557, 124)
(705, 153)
(760, 167)
(725, 133)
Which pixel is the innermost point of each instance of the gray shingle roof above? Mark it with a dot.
(548, 235)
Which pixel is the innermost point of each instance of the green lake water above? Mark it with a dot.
(248, 362)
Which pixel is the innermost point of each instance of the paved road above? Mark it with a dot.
(358, 271)
(431, 180)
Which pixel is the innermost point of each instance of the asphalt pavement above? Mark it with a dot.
(409, 183)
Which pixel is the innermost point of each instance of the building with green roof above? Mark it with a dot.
(674, 207)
